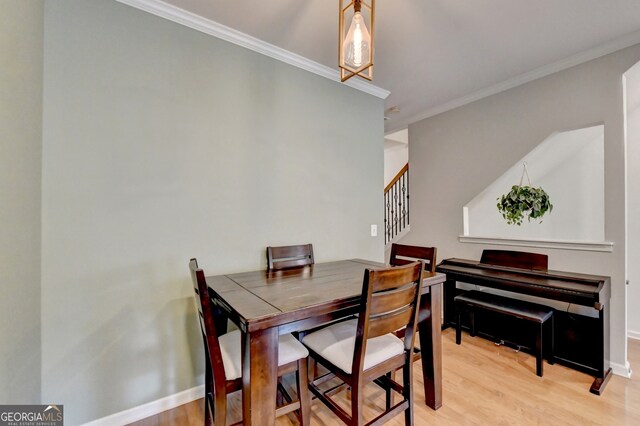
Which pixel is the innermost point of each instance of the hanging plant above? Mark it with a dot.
(524, 201)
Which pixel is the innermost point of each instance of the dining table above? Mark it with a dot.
(264, 304)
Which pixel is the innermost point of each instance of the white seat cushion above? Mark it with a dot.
(289, 349)
(336, 344)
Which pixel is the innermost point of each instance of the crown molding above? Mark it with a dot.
(580, 58)
(215, 29)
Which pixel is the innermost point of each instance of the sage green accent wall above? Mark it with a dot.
(160, 144)
(457, 154)
(21, 41)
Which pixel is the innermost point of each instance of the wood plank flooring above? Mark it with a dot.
(483, 384)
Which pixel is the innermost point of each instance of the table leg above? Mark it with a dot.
(259, 377)
(430, 328)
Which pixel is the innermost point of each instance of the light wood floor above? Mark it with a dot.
(483, 384)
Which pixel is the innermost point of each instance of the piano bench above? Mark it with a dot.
(532, 312)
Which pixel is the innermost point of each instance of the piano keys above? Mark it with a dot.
(581, 341)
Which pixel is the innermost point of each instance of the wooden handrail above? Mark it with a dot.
(396, 178)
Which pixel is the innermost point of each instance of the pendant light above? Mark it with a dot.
(355, 44)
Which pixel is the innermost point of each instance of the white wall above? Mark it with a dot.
(569, 166)
(162, 143)
(633, 194)
(457, 154)
(21, 39)
(396, 157)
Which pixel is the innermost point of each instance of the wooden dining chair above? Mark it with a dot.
(223, 371)
(284, 257)
(364, 350)
(402, 254)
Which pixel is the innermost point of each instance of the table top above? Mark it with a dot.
(262, 299)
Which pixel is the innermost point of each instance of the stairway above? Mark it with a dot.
(396, 206)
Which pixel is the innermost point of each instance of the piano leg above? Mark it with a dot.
(598, 385)
(552, 351)
(449, 306)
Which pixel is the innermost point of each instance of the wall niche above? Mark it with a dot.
(569, 166)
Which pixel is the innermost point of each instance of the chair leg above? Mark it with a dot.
(207, 411)
(207, 391)
(552, 355)
(219, 410)
(302, 386)
(357, 401)
(473, 323)
(407, 390)
(313, 369)
(539, 351)
(390, 375)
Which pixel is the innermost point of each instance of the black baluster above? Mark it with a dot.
(403, 211)
(386, 217)
(398, 208)
(395, 209)
(408, 207)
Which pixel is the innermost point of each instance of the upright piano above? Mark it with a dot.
(581, 341)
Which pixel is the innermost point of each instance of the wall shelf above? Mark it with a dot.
(602, 246)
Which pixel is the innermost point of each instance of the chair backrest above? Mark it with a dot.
(284, 257)
(402, 255)
(212, 353)
(389, 302)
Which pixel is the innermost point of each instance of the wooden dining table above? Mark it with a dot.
(265, 304)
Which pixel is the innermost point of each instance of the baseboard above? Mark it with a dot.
(633, 334)
(621, 369)
(151, 408)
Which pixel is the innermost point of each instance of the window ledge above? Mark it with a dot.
(603, 246)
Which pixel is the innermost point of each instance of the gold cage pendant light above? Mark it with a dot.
(355, 43)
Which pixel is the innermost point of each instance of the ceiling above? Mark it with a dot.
(436, 54)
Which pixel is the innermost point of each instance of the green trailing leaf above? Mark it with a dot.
(524, 202)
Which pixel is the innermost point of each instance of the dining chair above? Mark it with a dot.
(284, 257)
(364, 350)
(287, 257)
(223, 371)
(403, 254)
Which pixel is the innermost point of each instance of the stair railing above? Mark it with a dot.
(396, 205)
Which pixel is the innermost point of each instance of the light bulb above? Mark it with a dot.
(356, 43)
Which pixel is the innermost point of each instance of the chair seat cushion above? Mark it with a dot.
(289, 350)
(336, 344)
